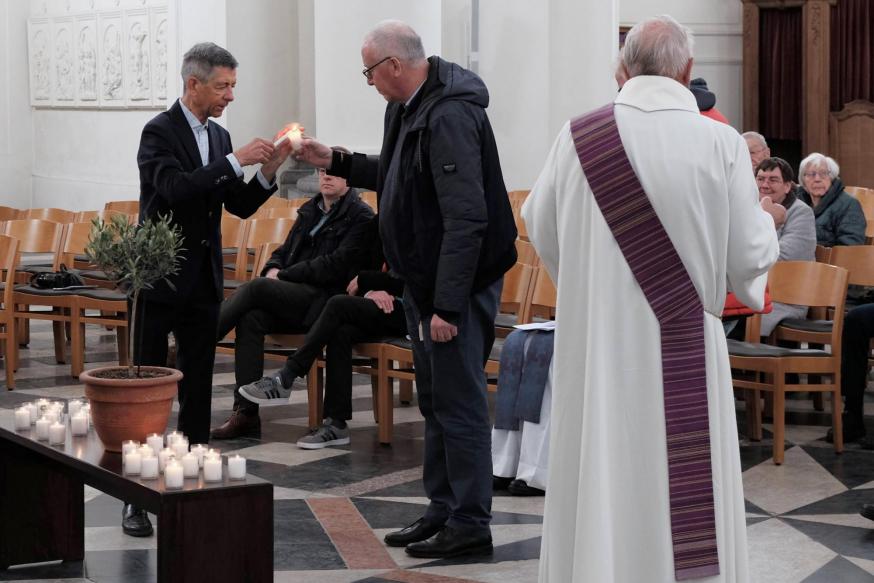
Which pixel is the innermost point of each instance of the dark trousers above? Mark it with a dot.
(193, 321)
(343, 322)
(855, 348)
(451, 388)
(256, 309)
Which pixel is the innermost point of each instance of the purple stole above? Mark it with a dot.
(671, 295)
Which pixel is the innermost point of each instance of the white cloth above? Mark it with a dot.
(607, 516)
(524, 454)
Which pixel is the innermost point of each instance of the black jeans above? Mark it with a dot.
(344, 321)
(451, 388)
(193, 322)
(855, 347)
(256, 309)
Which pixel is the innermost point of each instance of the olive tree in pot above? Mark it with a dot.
(133, 401)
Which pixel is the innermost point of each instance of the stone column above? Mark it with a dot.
(816, 62)
(751, 66)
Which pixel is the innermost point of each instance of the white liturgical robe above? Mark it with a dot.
(607, 515)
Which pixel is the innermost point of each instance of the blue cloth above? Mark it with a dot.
(525, 359)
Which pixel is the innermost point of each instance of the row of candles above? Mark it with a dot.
(177, 461)
(47, 418)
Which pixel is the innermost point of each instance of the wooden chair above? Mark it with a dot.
(275, 202)
(761, 367)
(285, 212)
(7, 213)
(298, 202)
(233, 232)
(855, 190)
(543, 297)
(515, 298)
(526, 253)
(369, 198)
(865, 196)
(258, 232)
(129, 207)
(823, 253)
(50, 214)
(517, 199)
(521, 229)
(8, 254)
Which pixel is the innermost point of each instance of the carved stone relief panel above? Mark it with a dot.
(39, 48)
(160, 28)
(138, 73)
(86, 61)
(64, 86)
(110, 67)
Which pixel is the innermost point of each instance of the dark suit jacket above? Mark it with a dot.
(173, 179)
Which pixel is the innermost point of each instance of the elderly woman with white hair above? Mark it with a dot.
(839, 216)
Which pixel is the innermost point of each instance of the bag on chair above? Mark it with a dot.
(57, 279)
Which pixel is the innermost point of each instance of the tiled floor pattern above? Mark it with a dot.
(333, 506)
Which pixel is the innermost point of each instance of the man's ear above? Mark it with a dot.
(687, 73)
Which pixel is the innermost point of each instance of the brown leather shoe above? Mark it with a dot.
(238, 425)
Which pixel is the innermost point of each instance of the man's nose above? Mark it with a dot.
(229, 95)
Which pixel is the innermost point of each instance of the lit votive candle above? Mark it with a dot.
(87, 408)
(199, 450)
(34, 412)
(74, 407)
(164, 456)
(57, 433)
(173, 477)
(42, 428)
(237, 467)
(189, 465)
(212, 469)
(213, 452)
(42, 405)
(156, 442)
(22, 418)
(79, 423)
(129, 446)
(146, 451)
(133, 463)
(172, 437)
(149, 468)
(180, 446)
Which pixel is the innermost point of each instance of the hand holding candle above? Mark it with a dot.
(293, 132)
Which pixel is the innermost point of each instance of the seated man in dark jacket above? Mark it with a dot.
(322, 251)
(371, 310)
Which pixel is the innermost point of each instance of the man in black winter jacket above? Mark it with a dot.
(447, 230)
(322, 252)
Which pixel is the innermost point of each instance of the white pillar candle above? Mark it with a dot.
(156, 442)
(214, 452)
(22, 418)
(146, 451)
(180, 446)
(42, 405)
(237, 467)
(189, 465)
(79, 423)
(199, 450)
(42, 428)
(57, 433)
(129, 446)
(34, 412)
(74, 407)
(52, 414)
(149, 468)
(133, 463)
(173, 478)
(87, 408)
(164, 456)
(172, 437)
(212, 469)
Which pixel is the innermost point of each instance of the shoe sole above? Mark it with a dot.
(138, 533)
(341, 441)
(480, 550)
(264, 402)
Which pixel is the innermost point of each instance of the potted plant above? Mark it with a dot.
(133, 401)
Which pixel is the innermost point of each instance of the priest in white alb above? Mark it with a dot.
(645, 214)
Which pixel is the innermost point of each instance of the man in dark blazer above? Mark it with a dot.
(189, 170)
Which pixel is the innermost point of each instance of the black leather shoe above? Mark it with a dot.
(135, 521)
(451, 543)
(500, 483)
(521, 488)
(853, 430)
(867, 511)
(238, 425)
(418, 531)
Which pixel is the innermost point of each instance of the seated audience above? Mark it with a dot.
(322, 251)
(759, 150)
(797, 233)
(839, 216)
(371, 310)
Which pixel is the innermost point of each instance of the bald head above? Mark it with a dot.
(659, 46)
(393, 38)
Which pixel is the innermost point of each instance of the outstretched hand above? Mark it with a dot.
(313, 152)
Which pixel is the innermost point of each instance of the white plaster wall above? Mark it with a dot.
(718, 30)
(348, 111)
(16, 142)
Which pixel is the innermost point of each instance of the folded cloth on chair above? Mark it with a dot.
(525, 359)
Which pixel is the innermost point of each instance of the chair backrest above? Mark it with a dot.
(233, 231)
(517, 199)
(543, 297)
(525, 253)
(7, 213)
(35, 235)
(50, 214)
(261, 231)
(285, 212)
(808, 283)
(298, 202)
(8, 257)
(858, 260)
(128, 207)
(865, 196)
(104, 215)
(516, 292)
(369, 198)
(275, 202)
(823, 253)
(262, 254)
(521, 229)
(73, 243)
(855, 190)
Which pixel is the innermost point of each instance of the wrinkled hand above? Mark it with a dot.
(383, 299)
(352, 288)
(279, 156)
(777, 211)
(272, 273)
(258, 151)
(441, 330)
(313, 152)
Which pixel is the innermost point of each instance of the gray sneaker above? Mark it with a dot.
(324, 436)
(267, 392)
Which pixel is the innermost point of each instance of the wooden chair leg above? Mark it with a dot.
(77, 344)
(753, 402)
(779, 417)
(314, 396)
(9, 346)
(818, 402)
(837, 420)
(405, 392)
(60, 342)
(385, 403)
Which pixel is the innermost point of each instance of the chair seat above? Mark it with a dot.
(95, 274)
(38, 291)
(37, 269)
(233, 283)
(399, 342)
(495, 354)
(230, 250)
(506, 320)
(738, 348)
(104, 294)
(824, 326)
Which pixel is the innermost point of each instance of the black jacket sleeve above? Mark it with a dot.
(359, 170)
(372, 280)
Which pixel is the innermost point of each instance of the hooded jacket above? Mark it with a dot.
(445, 219)
(839, 217)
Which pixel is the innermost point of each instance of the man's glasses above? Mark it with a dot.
(368, 72)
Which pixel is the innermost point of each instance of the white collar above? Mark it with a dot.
(653, 93)
(192, 119)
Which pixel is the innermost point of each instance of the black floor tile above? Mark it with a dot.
(414, 488)
(384, 514)
(852, 468)
(844, 540)
(300, 543)
(518, 551)
(840, 570)
(849, 502)
(55, 570)
(132, 566)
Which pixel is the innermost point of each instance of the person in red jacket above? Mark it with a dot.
(706, 100)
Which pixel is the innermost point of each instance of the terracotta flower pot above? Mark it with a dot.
(123, 409)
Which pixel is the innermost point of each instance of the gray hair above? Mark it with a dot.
(658, 46)
(202, 58)
(757, 137)
(817, 160)
(393, 38)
